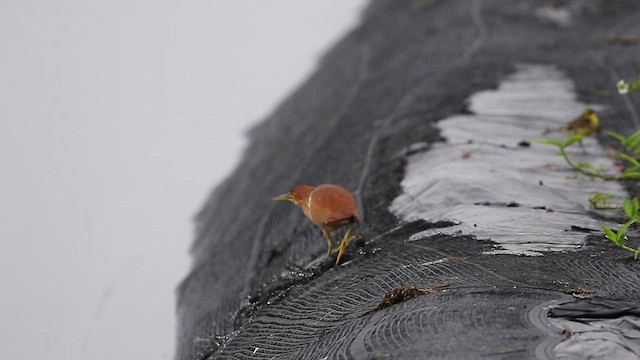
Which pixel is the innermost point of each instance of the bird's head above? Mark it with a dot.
(593, 117)
(299, 195)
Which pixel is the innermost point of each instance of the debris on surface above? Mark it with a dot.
(398, 295)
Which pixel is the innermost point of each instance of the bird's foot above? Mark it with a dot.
(343, 247)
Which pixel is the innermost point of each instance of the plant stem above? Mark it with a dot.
(625, 247)
(584, 172)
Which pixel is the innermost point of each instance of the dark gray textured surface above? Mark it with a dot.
(252, 293)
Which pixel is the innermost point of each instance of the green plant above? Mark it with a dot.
(584, 168)
(601, 202)
(630, 143)
(629, 172)
(630, 208)
(625, 87)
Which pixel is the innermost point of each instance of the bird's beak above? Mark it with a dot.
(283, 197)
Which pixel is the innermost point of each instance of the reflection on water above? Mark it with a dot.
(524, 198)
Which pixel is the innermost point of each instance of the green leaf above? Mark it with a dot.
(548, 142)
(620, 138)
(620, 238)
(635, 254)
(585, 165)
(630, 207)
(635, 135)
(630, 159)
(632, 175)
(631, 143)
(601, 201)
(627, 206)
(602, 197)
(571, 140)
(633, 140)
(609, 234)
(620, 241)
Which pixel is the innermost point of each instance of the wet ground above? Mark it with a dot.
(493, 187)
(389, 115)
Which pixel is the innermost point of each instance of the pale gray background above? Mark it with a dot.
(116, 119)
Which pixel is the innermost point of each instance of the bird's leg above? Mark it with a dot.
(327, 235)
(584, 152)
(343, 244)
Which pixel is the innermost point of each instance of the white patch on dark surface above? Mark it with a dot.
(560, 16)
(524, 198)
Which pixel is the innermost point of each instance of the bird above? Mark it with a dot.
(329, 207)
(585, 124)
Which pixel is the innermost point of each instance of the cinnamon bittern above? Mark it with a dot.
(329, 207)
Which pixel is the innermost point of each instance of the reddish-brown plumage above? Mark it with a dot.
(327, 206)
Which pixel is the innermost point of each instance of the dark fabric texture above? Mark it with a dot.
(258, 287)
